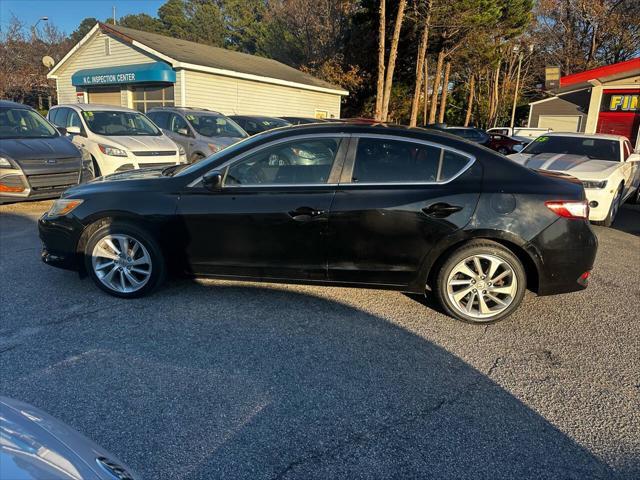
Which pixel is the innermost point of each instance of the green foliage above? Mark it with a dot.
(141, 21)
(84, 27)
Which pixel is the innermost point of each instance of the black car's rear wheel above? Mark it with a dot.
(481, 282)
(124, 260)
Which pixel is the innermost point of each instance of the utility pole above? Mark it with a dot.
(114, 14)
(515, 94)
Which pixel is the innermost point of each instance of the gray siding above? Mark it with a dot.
(576, 104)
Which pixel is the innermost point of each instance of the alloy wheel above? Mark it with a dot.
(121, 263)
(482, 286)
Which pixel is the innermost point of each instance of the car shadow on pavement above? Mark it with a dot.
(249, 381)
(628, 219)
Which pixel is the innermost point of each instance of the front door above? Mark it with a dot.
(270, 218)
(397, 198)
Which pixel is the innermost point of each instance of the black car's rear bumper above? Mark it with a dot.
(567, 250)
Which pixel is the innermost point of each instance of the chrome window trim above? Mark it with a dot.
(196, 183)
(470, 162)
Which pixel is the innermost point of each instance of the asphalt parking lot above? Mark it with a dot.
(213, 379)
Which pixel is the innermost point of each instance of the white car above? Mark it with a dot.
(606, 164)
(117, 138)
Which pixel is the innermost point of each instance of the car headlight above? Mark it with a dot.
(594, 184)
(112, 151)
(63, 206)
(5, 163)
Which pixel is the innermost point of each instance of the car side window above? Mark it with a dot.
(73, 120)
(304, 161)
(60, 117)
(178, 124)
(160, 119)
(398, 161)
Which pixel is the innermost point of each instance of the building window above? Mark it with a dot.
(145, 98)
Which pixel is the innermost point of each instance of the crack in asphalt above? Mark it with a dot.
(492, 368)
(356, 439)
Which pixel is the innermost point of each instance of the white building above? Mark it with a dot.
(122, 66)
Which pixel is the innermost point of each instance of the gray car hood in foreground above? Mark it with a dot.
(36, 446)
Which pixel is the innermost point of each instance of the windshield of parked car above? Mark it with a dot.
(210, 125)
(24, 123)
(115, 123)
(596, 148)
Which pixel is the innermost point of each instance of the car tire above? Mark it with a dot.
(504, 151)
(480, 297)
(124, 260)
(613, 210)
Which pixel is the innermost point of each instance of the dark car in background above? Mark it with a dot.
(201, 132)
(335, 204)
(303, 120)
(36, 160)
(472, 134)
(504, 144)
(253, 124)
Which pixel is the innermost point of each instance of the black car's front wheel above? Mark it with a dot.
(481, 282)
(124, 260)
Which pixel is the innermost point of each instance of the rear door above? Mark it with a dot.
(397, 198)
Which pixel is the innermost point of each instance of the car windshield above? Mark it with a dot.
(209, 125)
(269, 123)
(24, 123)
(115, 123)
(601, 149)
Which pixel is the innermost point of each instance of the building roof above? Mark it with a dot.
(186, 54)
(607, 73)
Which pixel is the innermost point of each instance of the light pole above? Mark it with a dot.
(34, 28)
(516, 49)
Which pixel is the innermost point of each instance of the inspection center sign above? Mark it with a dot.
(118, 75)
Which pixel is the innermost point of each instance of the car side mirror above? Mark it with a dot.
(183, 131)
(518, 148)
(212, 181)
(73, 130)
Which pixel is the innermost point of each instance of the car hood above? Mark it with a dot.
(38, 148)
(143, 178)
(142, 143)
(576, 165)
(34, 445)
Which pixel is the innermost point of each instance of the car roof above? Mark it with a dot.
(256, 117)
(602, 136)
(419, 133)
(184, 110)
(92, 107)
(10, 104)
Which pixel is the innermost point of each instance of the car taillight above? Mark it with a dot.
(569, 208)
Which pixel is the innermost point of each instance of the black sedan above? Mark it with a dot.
(335, 204)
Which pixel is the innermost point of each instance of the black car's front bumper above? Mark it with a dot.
(60, 236)
(567, 251)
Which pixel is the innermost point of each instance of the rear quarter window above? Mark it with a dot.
(399, 161)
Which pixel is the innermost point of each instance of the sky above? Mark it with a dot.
(67, 14)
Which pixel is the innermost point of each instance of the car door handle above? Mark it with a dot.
(441, 210)
(304, 214)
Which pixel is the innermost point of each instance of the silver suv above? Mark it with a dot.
(201, 132)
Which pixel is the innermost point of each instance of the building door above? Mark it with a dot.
(560, 123)
(109, 96)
